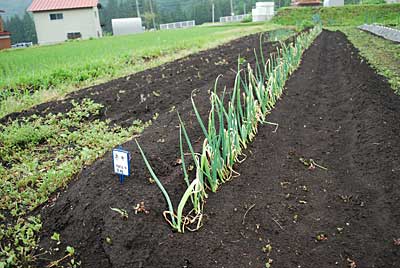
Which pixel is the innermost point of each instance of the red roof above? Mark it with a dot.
(4, 33)
(45, 5)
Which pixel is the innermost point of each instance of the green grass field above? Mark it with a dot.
(35, 75)
(348, 15)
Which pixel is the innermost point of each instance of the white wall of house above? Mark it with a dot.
(85, 21)
(333, 3)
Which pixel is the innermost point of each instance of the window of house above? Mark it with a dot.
(75, 35)
(56, 16)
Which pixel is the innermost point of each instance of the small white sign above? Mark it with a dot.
(121, 161)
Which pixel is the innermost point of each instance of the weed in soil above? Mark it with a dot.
(39, 155)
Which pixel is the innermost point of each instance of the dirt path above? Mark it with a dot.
(335, 110)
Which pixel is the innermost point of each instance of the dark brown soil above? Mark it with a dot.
(335, 110)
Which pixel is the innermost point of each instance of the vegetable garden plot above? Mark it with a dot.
(161, 137)
(279, 211)
(145, 92)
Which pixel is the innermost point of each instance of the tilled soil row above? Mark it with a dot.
(336, 110)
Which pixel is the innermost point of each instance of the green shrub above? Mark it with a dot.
(247, 19)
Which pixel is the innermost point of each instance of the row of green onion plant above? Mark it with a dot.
(231, 125)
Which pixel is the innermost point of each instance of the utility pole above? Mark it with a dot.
(152, 13)
(232, 13)
(137, 9)
(213, 12)
(244, 8)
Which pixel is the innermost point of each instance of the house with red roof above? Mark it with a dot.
(5, 37)
(60, 20)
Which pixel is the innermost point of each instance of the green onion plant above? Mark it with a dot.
(231, 125)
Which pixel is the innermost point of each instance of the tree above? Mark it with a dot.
(148, 19)
(22, 29)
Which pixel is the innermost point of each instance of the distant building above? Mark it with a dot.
(60, 20)
(303, 3)
(5, 37)
(333, 3)
(124, 26)
(263, 11)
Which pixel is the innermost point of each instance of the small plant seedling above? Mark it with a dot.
(122, 212)
(56, 237)
(241, 60)
(70, 250)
